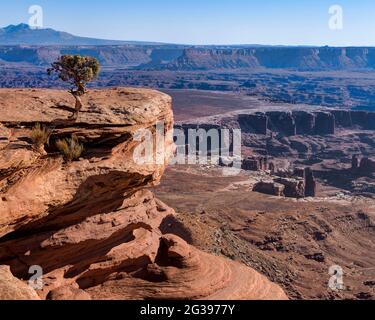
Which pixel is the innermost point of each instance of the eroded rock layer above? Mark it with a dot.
(91, 225)
(12, 288)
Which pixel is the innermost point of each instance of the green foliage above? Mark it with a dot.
(40, 136)
(70, 148)
(76, 70)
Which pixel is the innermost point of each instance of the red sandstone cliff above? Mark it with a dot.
(91, 224)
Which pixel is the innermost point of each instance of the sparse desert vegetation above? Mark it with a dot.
(40, 137)
(71, 148)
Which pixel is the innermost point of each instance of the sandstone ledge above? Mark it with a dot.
(12, 288)
(117, 106)
(91, 224)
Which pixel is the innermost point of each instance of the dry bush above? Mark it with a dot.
(70, 148)
(40, 137)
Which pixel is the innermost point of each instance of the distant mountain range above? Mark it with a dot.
(174, 58)
(22, 34)
(19, 44)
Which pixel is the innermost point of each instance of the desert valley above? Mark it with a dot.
(300, 210)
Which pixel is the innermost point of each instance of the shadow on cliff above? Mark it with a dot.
(170, 225)
(99, 194)
(340, 178)
(78, 256)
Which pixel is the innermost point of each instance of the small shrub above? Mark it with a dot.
(40, 137)
(70, 148)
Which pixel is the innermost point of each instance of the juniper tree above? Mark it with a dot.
(78, 71)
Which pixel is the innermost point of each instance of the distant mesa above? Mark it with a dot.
(161, 56)
(298, 122)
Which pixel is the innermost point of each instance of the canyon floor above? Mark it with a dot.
(293, 241)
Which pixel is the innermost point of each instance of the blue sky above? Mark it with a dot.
(286, 22)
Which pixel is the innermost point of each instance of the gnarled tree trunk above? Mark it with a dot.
(78, 106)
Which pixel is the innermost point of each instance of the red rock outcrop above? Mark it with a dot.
(281, 121)
(270, 187)
(92, 225)
(294, 188)
(299, 122)
(12, 288)
(255, 164)
(310, 183)
(253, 123)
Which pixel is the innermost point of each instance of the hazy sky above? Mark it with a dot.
(297, 22)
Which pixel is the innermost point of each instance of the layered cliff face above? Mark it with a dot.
(292, 123)
(184, 58)
(323, 58)
(92, 225)
(108, 55)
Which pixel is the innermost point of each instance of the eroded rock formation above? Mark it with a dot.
(367, 165)
(91, 224)
(305, 123)
(299, 183)
(363, 165)
(254, 123)
(310, 183)
(255, 164)
(270, 187)
(294, 188)
(12, 288)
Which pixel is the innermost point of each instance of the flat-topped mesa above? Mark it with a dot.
(308, 59)
(256, 123)
(283, 122)
(91, 224)
(298, 122)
